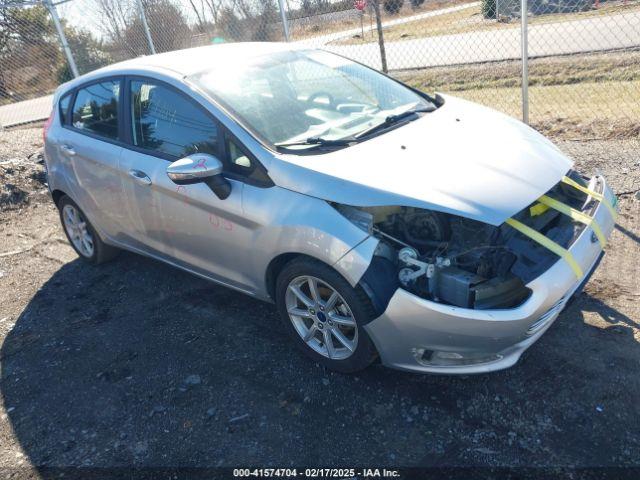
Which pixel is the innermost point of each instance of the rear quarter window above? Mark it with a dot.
(64, 104)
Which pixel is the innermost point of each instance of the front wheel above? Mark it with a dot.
(325, 315)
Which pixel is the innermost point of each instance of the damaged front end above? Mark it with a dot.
(466, 263)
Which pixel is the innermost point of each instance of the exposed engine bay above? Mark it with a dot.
(466, 263)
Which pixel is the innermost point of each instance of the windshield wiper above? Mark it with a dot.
(320, 142)
(391, 120)
(317, 142)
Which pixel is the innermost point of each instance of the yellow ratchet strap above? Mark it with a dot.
(538, 209)
(549, 244)
(576, 215)
(596, 195)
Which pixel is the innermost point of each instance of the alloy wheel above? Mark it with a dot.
(321, 317)
(76, 226)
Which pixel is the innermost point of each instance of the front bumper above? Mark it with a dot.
(424, 336)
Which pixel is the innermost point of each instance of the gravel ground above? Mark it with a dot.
(136, 363)
(22, 174)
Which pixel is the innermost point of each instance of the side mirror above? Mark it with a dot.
(200, 167)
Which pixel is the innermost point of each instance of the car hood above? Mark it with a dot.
(463, 159)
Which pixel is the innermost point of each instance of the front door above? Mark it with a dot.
(187, 225)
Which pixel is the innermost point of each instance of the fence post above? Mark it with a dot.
(383, 52)
(63, 39)
(285, 23)
(143, 17)
(524, 40)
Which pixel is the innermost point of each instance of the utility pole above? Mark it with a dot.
(285, 23)
(143, 17)
(524, 39)
(383, 53)
(63, 39)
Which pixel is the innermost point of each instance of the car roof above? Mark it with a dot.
(193, 60)
(184, 62)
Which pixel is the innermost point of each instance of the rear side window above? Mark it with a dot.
(95, 109)
(166, 122)
(64, 108)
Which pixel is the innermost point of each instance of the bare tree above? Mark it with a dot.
(113, 19)
(199, 15)
(7, 22)
(215, 7)
(307, 7)
(264, 18)
(244, 7)
(7, 28)
(169, 28)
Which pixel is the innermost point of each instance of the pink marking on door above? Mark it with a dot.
(220, 223)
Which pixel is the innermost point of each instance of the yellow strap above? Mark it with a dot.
(538, 209)
(576, 215)
(596, 195)
(549, 244)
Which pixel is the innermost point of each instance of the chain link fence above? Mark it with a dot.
(31, 61)
(583, 56)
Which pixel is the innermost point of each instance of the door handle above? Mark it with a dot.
(140, 177)
(68, 150)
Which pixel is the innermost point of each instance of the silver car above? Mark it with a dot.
(428, 231)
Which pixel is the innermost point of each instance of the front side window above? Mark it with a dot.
(166, 122)
(296, 95)
(95, 109)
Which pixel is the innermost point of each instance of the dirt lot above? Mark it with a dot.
(136, 363)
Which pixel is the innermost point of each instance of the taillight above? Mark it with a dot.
(47, 124)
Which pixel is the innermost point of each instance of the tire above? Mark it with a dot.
(99, 252)
(346, 316)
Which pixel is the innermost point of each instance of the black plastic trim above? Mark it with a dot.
(380, 282)
(64, 120)
(585, 280)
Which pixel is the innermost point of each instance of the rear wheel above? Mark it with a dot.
(325, 315)
(81, 234)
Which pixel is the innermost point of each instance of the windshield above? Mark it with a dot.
(289, 97)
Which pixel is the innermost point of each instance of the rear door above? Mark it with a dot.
(90, 147)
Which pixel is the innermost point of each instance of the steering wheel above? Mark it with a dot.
(312, 98)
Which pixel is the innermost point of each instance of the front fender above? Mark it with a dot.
(291, 223)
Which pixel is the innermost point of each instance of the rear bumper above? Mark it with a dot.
(424, 336)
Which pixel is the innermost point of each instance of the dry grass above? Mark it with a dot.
(587, 110)
(597, 67)
(471, 20)
(319, 27)
(468, 19)
(595, 96)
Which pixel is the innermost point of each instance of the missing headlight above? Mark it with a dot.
(359, 217)
(449, 259)
(442, 257)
